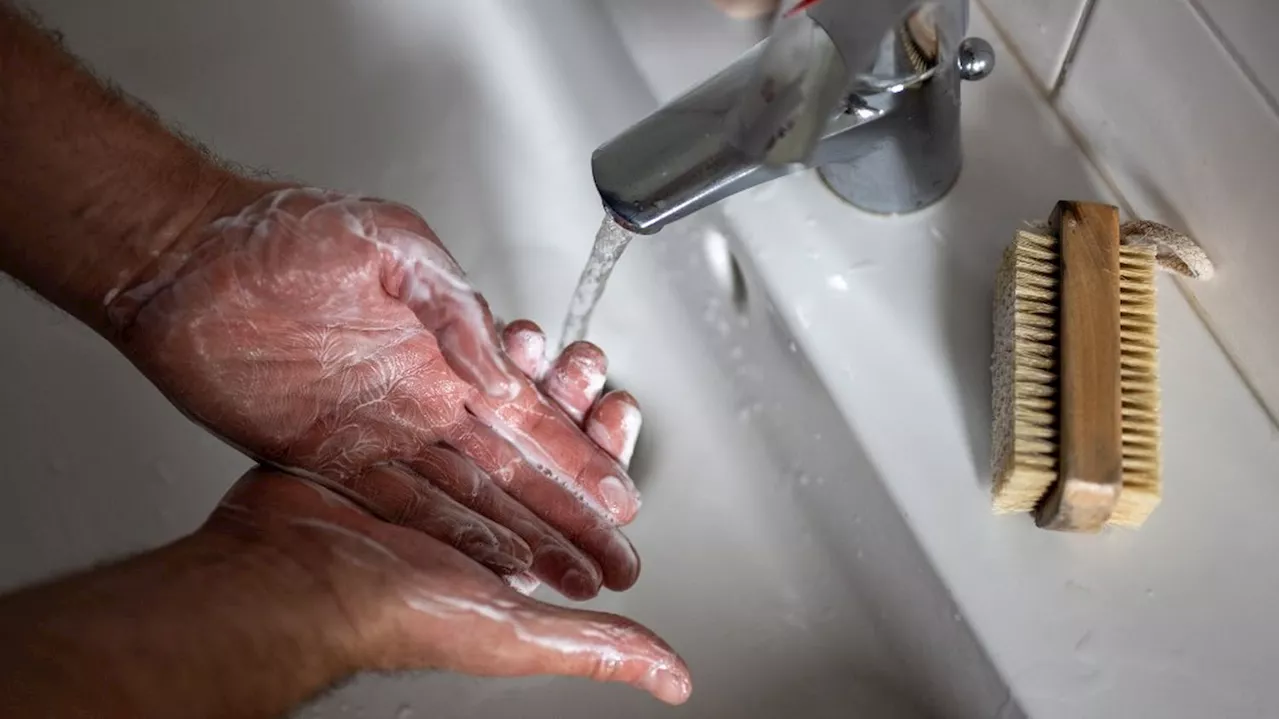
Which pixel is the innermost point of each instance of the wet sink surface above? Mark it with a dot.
(775, 562)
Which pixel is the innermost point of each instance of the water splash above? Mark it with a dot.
(611, 241)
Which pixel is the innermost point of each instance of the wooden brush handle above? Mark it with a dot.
(1088, 369)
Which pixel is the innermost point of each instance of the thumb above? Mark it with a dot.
(598, 646)
(425, 278)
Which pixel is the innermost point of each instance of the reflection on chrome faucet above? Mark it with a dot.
(867, 91)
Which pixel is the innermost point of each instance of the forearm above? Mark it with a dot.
(92, 186)
(205, 627)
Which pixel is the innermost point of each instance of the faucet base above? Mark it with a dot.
(915, 161)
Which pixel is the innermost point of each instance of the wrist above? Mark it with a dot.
(289, 604)
(153, 236)
(212, 625)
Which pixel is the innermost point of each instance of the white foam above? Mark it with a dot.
(350, 534)
(532, 345)
(631, 421)
(430, 272)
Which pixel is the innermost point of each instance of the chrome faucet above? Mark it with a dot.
(867, 91)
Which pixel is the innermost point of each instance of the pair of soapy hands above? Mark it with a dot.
(430, 469)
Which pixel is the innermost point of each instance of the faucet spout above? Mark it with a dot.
(880, 119)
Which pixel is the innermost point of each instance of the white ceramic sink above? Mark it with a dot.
(775, 561)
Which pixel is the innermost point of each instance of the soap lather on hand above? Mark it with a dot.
(418, 466)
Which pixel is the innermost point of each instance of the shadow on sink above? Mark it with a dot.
(965, 278)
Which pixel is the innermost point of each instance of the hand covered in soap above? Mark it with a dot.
(335, 336)
(409, 602)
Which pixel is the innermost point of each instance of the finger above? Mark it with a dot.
(746, 9)
(576, 377)
(419, 272)
(558, 507)
(459, 319)
(405, 499)
(557, 447)
(595, 645)
(526, 345)
(507, 634)
(524, 582)
(614, 424)
(555, 559)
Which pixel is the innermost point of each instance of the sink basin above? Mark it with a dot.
(775, 561)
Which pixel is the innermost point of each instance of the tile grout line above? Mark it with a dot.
(1234, 54)
(1010, 46)
(1077, 34)
(1086, 149)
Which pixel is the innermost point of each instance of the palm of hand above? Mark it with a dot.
(334, 336)
(411, 602)
(279, 333)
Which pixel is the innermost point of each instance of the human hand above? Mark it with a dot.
(334, 336)
(746, 9)
(404, 600)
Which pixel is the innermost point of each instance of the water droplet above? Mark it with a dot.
(838, 283)
(802, 316)
(1151, 594)
(404, 712)
(858, 554)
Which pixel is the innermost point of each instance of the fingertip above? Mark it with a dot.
(523, 325)
(668, 684)
(609, 648)
(620, 498)
(526, 344)
(578, 586)
(614, 424)
(576, 378)
(523, 582)
(620, 563)
(746, 9)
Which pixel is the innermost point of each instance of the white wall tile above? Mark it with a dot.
(1040, 30)
(1189, 141)
(1249, 28)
